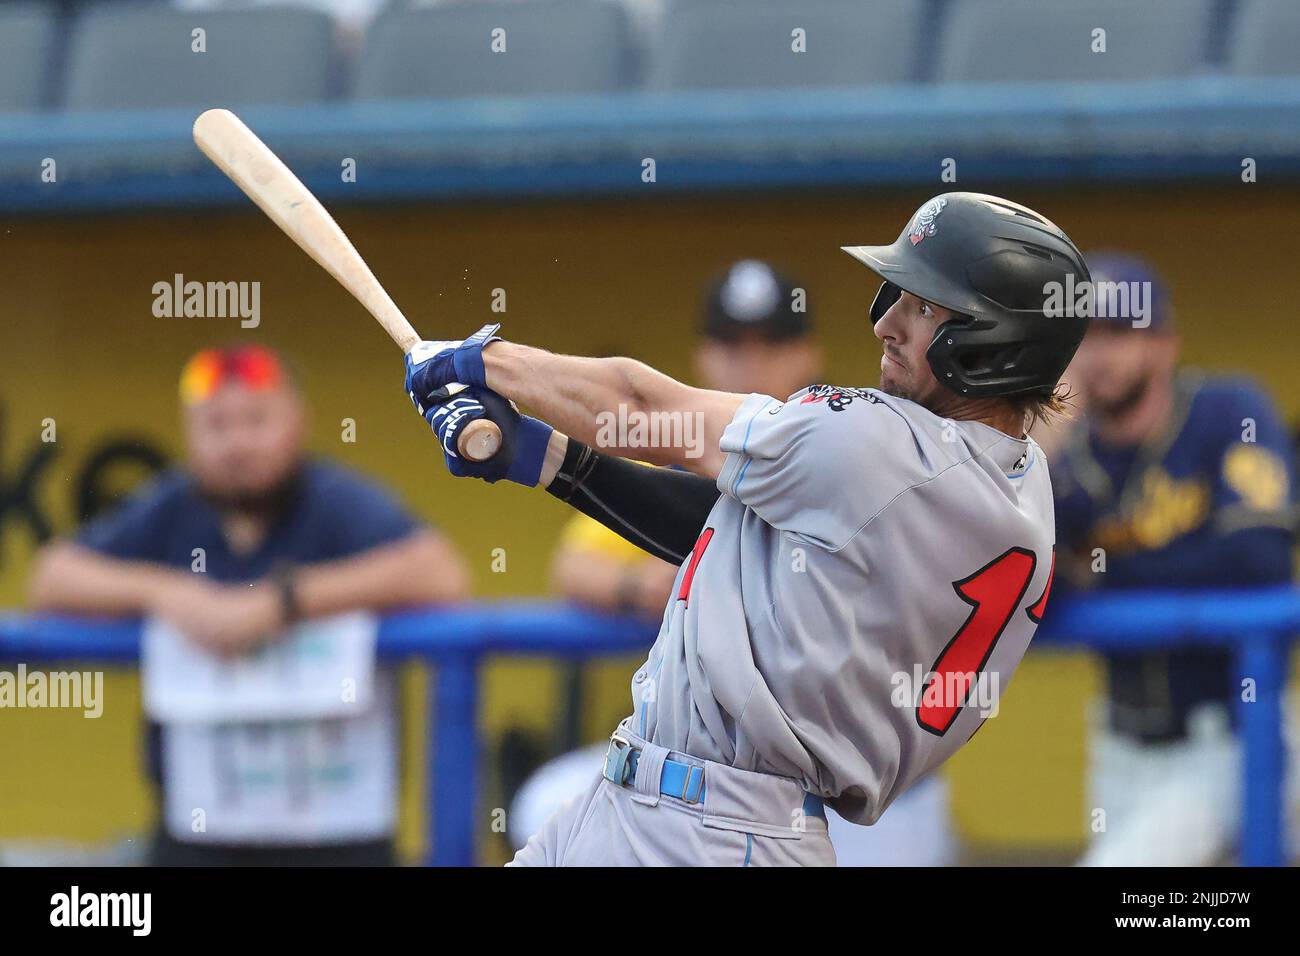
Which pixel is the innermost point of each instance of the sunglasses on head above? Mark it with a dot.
(252, 366)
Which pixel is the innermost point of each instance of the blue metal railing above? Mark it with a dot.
(1259, 624)
(454, 639)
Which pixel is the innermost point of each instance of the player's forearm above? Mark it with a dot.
(618, 405)
(572, 392)
(73, 579)
(422, 568)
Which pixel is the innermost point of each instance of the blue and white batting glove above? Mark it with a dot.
(523, 439)
(432, 366)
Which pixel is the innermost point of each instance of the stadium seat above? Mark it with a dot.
(141, 57)
(1266, 39)
(1025, 40)
(26, 40)
(747, 44)
(557, 46)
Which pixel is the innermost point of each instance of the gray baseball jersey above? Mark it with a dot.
(864, 587)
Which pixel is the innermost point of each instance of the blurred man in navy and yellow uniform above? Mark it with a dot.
(1171, 479)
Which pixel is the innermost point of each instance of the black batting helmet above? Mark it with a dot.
(991, 262)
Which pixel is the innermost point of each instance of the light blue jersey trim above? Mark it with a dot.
(744, 445)
(749, 848)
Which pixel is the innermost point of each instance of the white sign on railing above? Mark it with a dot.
(323, 668)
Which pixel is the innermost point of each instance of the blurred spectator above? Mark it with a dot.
(756, 335)
(1172, 479)
(595, 567)
(279, 539)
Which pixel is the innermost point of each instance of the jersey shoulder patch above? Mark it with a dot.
(835, 397)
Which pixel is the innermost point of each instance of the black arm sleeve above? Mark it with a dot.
(660, 510)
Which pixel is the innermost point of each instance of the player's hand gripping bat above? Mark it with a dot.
(281, 195)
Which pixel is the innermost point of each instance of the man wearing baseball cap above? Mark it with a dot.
(1172, 479)
(756, 335)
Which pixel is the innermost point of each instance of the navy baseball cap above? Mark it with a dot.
(753, 298)
(1129, 292)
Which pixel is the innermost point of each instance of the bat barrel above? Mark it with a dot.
(240, 154)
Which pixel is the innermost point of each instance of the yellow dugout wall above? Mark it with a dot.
(82, 348)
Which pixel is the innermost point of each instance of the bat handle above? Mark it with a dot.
(480, 440)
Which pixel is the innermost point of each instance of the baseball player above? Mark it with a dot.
(756, 334)
(848, 609)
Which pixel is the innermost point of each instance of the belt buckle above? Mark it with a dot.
(685, 795)
(618, 762)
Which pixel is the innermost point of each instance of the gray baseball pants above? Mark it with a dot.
(743, 819)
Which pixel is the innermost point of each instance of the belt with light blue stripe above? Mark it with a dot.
(681, 780)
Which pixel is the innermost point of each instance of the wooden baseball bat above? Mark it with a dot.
(280, 194)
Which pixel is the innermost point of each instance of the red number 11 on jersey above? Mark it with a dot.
(993, 592)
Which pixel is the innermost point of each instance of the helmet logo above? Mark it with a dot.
(923, 225)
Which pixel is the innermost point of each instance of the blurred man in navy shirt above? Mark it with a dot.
(283, 539)
(1173, 479)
